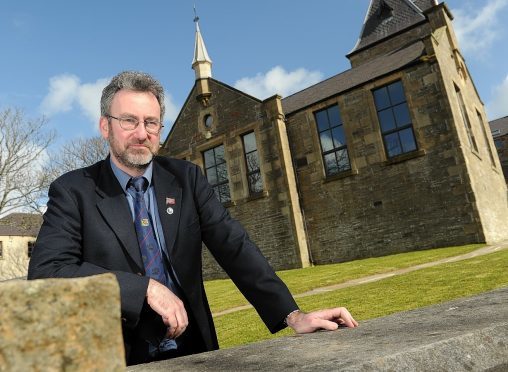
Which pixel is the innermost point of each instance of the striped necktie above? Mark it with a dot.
(150, 251)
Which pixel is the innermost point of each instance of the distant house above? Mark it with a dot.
(499, 130)
(17, 238)
(391, 155)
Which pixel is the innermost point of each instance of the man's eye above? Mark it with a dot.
(152, 123)
(130, 121)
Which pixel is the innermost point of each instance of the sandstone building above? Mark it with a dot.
(499, 130)
(17, 237)
(392, 155)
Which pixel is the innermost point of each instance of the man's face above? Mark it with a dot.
(133, 150)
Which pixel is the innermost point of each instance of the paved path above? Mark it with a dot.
(374, 278)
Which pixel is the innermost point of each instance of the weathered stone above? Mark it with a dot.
(61, 324)
(469, 334)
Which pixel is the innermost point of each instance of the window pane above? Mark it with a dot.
(386, 120)
(396, 93)
(211, 175)
(331, 164)
(392, 144)
(343, 160)
(401, 114)
(334, 116)
(249, 142)
(338, 136)
(252, 161)
(326, 141)
(222, 172)
(255, 183)
(322, 120)
(219, 154)
(381, 98)
(209, 160)
(408, 140)
(225, 196)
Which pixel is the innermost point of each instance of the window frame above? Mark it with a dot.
(250, 173)
(217, 186)
(465, 119)
(396, 129)
(334, 150)
(30, 248)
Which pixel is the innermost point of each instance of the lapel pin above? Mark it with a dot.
(169, 210)
(170, 201)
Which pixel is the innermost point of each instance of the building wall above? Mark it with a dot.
(501, 143)
(267, 216)
(483, 170)
(14, 259)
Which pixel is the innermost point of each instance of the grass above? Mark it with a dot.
(405, 292)
(223, 294)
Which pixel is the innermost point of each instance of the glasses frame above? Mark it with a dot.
(120, 120)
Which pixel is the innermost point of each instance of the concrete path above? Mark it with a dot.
(374, 278)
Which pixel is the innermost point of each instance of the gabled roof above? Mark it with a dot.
(499, 127)
(387, 17)
(351, 78)
(20, 224)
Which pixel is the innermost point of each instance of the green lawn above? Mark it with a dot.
(223, 294)
(409, 291)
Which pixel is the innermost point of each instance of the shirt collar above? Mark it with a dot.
(124, 178)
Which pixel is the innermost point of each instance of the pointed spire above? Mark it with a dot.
(202, 64)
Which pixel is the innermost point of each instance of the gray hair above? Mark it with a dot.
(135, 81)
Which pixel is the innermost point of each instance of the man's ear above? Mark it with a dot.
(104, 127)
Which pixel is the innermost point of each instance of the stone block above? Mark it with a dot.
(61, 325)
(468, 334)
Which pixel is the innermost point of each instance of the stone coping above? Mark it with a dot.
(468, 334)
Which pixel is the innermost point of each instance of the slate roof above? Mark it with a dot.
(20, 224)
(499, 127)
(354, 77)
(387, 17)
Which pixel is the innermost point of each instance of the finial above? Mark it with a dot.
(196, 18)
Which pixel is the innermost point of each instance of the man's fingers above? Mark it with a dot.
(340, 315)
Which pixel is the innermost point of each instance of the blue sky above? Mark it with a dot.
(56, 55)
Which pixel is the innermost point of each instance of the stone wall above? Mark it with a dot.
(463, 335)
(61, 325)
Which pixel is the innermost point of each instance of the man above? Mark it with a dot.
(144, 218)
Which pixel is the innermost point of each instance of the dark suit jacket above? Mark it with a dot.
(88, 230)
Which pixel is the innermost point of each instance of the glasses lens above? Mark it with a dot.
(128, 123)
(152, 127)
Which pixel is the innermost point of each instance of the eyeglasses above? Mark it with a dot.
(129, 123)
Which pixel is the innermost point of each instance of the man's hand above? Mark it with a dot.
(329, 319)
(168, 306)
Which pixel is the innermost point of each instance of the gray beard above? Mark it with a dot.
(135, 161)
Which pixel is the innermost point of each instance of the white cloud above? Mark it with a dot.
(278, 81)
(62, 93)
(172, 109)
(66, 92)
(478, 28)
(498, 107)
(89, 98)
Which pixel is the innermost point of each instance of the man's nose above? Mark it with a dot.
(140, 130)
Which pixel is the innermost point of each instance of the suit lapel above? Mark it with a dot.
(169, 203)
(116, 212)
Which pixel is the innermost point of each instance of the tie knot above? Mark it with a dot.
(139, 183)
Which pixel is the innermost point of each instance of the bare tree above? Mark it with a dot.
(77, 153)
(23, 145)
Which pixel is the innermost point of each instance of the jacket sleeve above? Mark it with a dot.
(58, 252)
(242, 260)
